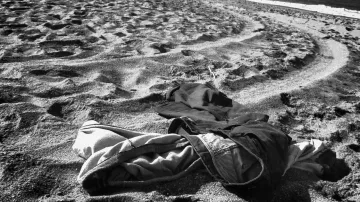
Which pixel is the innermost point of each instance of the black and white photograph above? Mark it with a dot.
(180, 100)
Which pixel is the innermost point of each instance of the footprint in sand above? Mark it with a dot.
(157, 24)
(12, 93)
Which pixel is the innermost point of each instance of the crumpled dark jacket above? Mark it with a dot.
(199, 102)
(259, 157)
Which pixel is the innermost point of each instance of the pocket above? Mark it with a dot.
(237, 166)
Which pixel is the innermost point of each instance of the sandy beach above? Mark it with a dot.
(65, 62)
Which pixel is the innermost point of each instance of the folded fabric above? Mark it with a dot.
(119, 157)
(199, 102)
(116, 157)
(303, 156)
(137, 159)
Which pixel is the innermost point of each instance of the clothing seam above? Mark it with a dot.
(212, 157)
(218, 152)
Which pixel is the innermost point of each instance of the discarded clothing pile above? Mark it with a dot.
(209, 130)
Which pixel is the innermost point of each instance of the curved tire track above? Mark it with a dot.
(332, 57)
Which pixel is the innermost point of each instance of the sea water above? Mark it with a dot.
(347, 8)
(348, 4)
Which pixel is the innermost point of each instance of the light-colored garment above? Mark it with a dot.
(303, 155)
(97, 143)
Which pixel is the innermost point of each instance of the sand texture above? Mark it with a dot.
(65, 62)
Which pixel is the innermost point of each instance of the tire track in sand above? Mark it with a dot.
(332, 57)
(252, 29)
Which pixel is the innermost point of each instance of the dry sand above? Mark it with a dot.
(65, 62)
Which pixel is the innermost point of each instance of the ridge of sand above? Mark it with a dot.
(332, 56)
(328, 63)
(252, 29)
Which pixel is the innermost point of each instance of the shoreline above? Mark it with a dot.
(316, 8)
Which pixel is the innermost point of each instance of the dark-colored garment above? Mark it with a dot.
(199, 102)
(259, 146)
